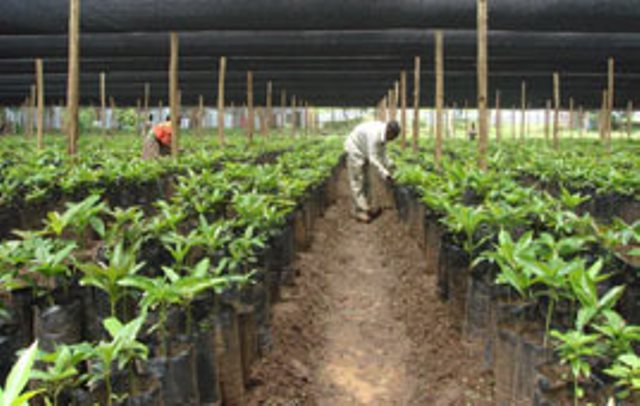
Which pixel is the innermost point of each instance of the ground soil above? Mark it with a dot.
(362, 324)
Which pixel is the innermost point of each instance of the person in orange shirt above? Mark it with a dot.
(158, 140)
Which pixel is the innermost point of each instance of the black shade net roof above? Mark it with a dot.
(345, 53)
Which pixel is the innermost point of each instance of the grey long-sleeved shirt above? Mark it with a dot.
(367, 141)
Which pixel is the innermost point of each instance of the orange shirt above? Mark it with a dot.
(163, 132)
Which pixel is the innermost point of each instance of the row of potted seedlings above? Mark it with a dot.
(167, 308)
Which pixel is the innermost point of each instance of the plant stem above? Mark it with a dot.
(163, 330)
(107, 383)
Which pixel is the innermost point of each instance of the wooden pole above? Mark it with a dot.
(103, 102)
(403, 102)
(416, 102)
(572, 124)
(395, 92)
(173, 94)
(294, 116)
(33, 95)
(523, 121)
(250, 113)
(40, 89)
(483, 119)
(466, 118)
(306, 118)
(147, 96)
(602, 119)
(269, 105)
(498, 117)
(283, 108)
(610, 100)
(200, 125)
(222, 68)
(580, 121)
(112, 103)
(514, 120)
(556, 110)
(439, 95)
(547, 117)
(73, 85)
(629, 118)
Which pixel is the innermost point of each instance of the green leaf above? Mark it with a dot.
(19, 376)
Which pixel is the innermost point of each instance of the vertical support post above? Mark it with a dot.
(33, 95)
(40, 90)
(394, 100)
(629, 118)
(580, 122)
(173, 94)
(610, 100)
(222, 68)
(138, 109)
(556, 111)
(547, 117)
(572, 124)
(483, 119)
(112, 102)
(498, 117)
(602, 119)
(147, 95)
(306, 118)
(73, 85)
(416, 102)
(466, 118)
(403, 103)
(200, 125)
(250, 113)
(269, 122)
(439, 95)
(283, 107)
(523, 117)
(294, 116)
(514, 122)
(103, 102)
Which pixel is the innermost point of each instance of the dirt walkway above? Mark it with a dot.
(362, 325)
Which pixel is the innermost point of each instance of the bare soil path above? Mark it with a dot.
(363, 325)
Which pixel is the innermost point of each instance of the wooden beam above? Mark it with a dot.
(40, 97)
(556, 110)
(483, 119)
(103, 102)
(73, 80)
(250, 113)
(523, 107)
(439, 58)
(629, 118)
(222, 68)
(173, 94)
(294, 116)
(403, 102)
(498, 117)
(269, 122)
(610, 99)
(547, 117)
(416, 102)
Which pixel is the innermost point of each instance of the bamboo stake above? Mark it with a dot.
(103, 102)
(40, 97)
(483, 119)
(610, 100)
(523, 94)
(439, 95)
(221, 74)
(572, 124)
(498, 117)
(32, 108)
(416, 102)
(250, 112)
(602, 120)
(403, 114)
(547, 117)
(629, 118)
(556, 111)
(200, 124)
(147, 96)
(73, 88)
(294, 116)
(173, 94)
(269, 122)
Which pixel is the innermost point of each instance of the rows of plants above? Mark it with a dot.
(530, 269)
(33, 182)
(166, 302)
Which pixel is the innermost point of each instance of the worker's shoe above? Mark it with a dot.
(362, 217)
(374, 213)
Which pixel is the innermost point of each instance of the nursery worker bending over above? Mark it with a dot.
(158, 141)
(367, 145)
